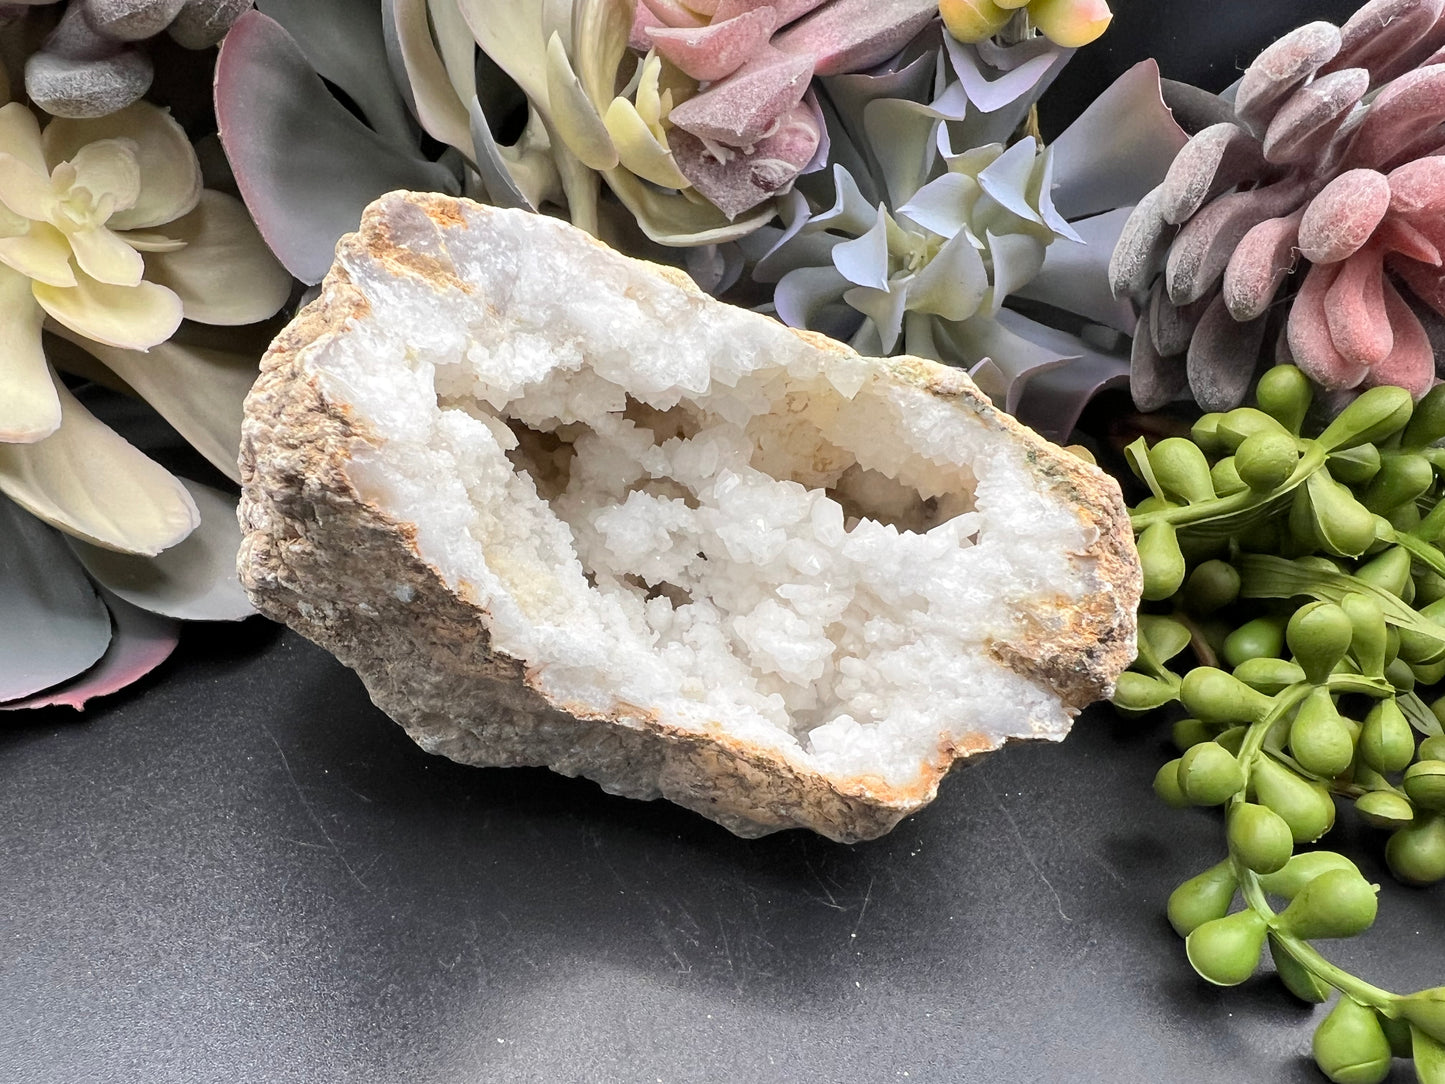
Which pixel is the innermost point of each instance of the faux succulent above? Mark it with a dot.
(1070, 23)
(537, 120)
(743, 125)
(119, 266)
(938, 215)
(94, 63)
(1328, 156)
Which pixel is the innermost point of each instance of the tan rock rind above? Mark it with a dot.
(312, 546)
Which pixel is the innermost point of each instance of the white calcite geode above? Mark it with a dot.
(557, 506)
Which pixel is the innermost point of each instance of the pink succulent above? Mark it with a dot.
(751, 126)
(1331, 155)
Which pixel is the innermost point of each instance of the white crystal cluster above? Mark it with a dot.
(730, 528)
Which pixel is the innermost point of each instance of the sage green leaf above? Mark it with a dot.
(141, 642)
(193, 581)
(344, 42)
(55, 624)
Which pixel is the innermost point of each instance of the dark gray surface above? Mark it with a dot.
(241, 871)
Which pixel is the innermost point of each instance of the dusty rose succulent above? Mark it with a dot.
(92, 65)
(1329, 157)
(746, 131)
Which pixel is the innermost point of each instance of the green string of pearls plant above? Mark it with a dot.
(1306, 577)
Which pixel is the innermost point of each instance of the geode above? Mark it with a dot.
(559, 507)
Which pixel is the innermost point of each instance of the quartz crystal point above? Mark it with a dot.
(559, 507)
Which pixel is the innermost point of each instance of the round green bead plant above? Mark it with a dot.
(1304, 579)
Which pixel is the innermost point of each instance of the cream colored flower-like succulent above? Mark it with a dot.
(106, 229)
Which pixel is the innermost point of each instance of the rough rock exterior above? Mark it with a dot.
(352, 570)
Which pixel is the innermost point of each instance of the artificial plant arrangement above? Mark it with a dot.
(1294, 582)
(851, 167)
(122, 266)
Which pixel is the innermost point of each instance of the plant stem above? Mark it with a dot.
(1302, 951)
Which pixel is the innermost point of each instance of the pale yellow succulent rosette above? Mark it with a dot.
(109, 240)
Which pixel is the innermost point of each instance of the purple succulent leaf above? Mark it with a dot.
(1214, 161)
(345, 42)
(1261, 260)
(1193, 108)
(1355, 309)
(741, 109)
(850, 35)
(1074, 278)
(1223, 356)
(1201, 251)
(305, 166)
(1140, 252)
(1310, 343)
(1306, 124)
(802, 295)
(953, 284)
(1399, 238)
(1402, 120)
(1155, 379)
(1281, 69)
(1343, 215)
(1417, 197)
(141, 642)
(736, 181)
(1411, 362)
(1118, 149)
(55, 625)
(1017, 258)
(1425, 282)
(1053, 400)
(1389, 37)
(194, 580)
(1171, 326)
(717, 50)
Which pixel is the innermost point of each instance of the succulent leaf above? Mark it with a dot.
(55, 624)
(192, 581)
(1355, 310)
(305, 166)
(1281, 69)
(1201, 250)
(1222, 357)
(1306, 123)
(87, 481)
(1214, 161)
(1310, 344)
(140, 642)
(1262, 259)
(1343, 216)
(1389, 37)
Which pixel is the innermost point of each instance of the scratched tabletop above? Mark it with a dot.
(241, 871)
